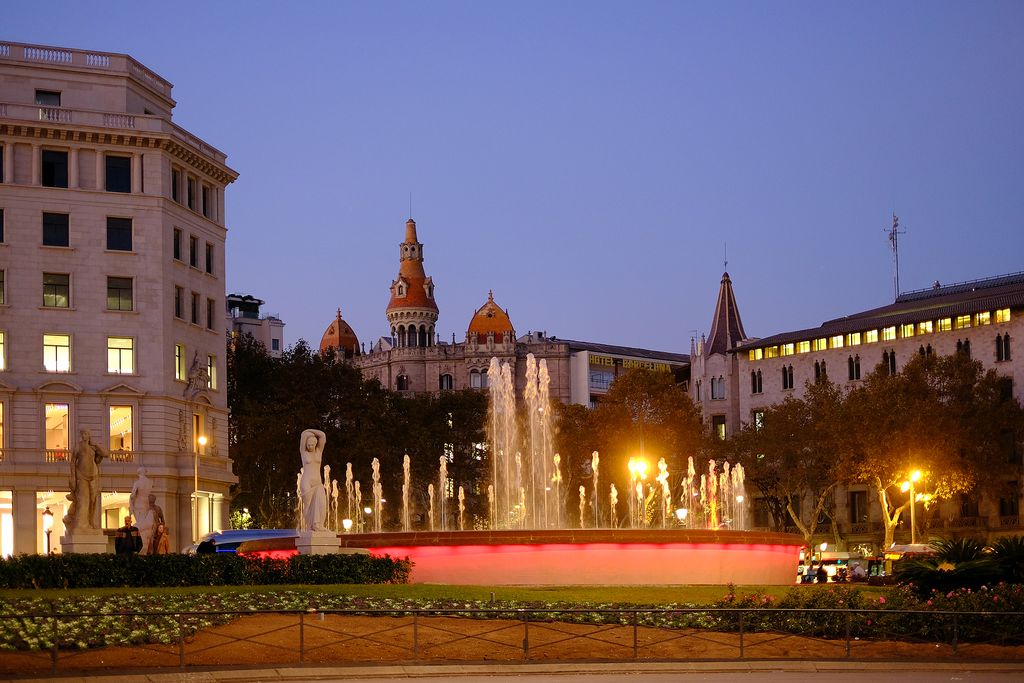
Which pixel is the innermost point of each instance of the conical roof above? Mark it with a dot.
(412, 288)
(726, 327)
(490, 318)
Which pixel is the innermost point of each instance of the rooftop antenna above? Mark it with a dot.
(725, 258)
(894, 234)
(410, 205)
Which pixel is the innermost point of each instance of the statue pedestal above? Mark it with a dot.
(317, 543)
(90, 541)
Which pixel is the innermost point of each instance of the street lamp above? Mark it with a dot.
(47, 526)
(915, 476)
(200, 442)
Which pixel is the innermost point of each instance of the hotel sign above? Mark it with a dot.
(629, 363)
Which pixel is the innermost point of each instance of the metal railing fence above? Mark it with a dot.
(82, 641)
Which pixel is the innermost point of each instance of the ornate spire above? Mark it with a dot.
(726, 327)
(412, 311)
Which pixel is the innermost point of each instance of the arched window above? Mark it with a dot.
(854, 366)
(402, 383)
(423, 335)
(485, 381)
(1002, 347)
(474, 379)
(964, 346)
(401, 335)
(787, 377)
(430, 334)
(817, 372)
(445, 383)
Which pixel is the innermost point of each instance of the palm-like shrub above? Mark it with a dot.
(958, 563)
(1008, 556)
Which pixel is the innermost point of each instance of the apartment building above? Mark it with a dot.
(112, 294)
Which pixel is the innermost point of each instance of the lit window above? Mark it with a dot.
(3, 289)
(787, 349)
(718, 425)
(907, 330)
(983, 318)
(888, 333)
(57, 427)
(871, 336)
(963, 321)
(121, 428)
(57, 352)
(56, 290)
(803, 347)
(771, 352)
(1002, 315)
(3, 356)
(835, 342)
(819, 344)
(119, 294)
(120, 355)
(211, 372)
(945, 324)
(927, 327)
(756, 354)
(853, 339)
(179, 362)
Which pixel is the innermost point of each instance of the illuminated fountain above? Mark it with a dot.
(694, 537)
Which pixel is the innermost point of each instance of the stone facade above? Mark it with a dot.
(984, 318)
(112, 257)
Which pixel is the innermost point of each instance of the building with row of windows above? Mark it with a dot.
(734, 378)
(112, 293)
(413, 358)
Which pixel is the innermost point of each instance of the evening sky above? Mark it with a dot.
(589, 161)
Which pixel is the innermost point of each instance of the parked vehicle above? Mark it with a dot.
(227, 541)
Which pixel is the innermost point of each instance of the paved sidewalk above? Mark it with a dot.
(710, 671)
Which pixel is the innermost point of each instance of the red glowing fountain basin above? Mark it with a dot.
(587, 557)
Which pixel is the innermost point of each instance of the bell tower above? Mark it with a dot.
(412, 312)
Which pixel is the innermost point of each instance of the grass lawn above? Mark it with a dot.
(635, 595)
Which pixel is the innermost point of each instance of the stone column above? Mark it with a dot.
(73, 168)
(37, 166)
(136, 173)
(26, 526)
(100, 169)
(9, 163)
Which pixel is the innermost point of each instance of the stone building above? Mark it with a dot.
(735, 378)
(112, 303)
(413, 359)
(245, 317)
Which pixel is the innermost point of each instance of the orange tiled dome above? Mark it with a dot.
(490, 318)
(412, 289)
(340, 335)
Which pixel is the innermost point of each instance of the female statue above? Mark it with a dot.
(311, 486)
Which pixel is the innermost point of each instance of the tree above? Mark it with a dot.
(791, 455)
(645, 413)
(943, 416)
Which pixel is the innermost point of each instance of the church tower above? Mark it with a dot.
(715, 382)
(412, 312)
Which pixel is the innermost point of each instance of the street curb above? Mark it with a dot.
(313, 673)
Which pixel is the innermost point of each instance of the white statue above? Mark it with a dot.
(311, 486)
(85, 509)
(139, 506)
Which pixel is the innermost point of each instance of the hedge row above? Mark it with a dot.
(70, 570)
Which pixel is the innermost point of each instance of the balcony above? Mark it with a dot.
(122, 456)
(56, 455)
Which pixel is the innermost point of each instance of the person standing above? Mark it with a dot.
(128, 540)
(160, 544)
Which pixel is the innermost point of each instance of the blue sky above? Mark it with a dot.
(589, 161)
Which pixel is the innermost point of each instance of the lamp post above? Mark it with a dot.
(915, 476)
(47, 526)
(200, 442)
